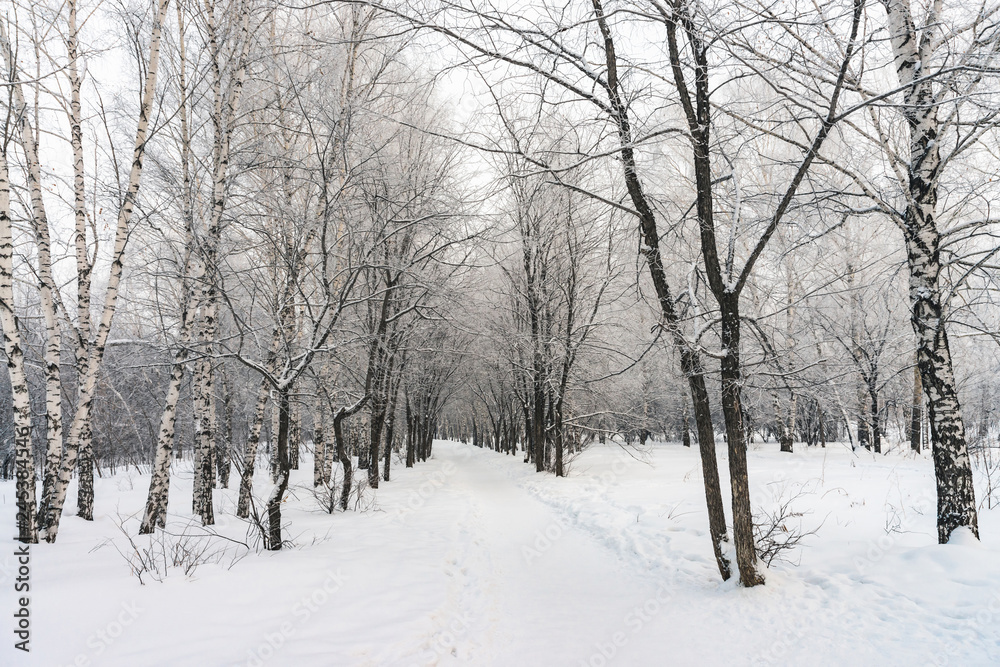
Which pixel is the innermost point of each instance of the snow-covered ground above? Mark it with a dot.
(472, 558)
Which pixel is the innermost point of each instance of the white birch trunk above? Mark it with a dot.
(204, 439)
(24, 457)
(85, 497)
(273, 443)
(223, 115)
(914, 55)
(250, 454)
(159, 484)
(320, 474)
(46, 284)
(49, 522)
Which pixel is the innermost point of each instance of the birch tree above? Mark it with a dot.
(50, 514)
(28, 140)
(944, 58)
(25, 462)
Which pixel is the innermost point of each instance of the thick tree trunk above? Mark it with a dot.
(952, 464)
(557, 437)
(784, 436)
(914, 55)
(295, 435)
(85, 476)
(864, 431)
(411, 436)
(272, 444)
(375, 425)
(390, 430)
(224, 443)
(538, 416)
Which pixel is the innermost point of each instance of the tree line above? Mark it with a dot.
(353, 227)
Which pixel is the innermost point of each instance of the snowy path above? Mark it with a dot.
(526, 582)
(472, 558)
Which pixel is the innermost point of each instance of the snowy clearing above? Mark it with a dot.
(472, 558)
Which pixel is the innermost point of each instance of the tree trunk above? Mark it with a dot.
(250, 453)
(914, 54)
(344, 457)
(294, 435)
(320, 474)
(85, 495)
(557, 436)
(411, 436)
(224, 444)
(48, 292)
(27, 530)
(732, 410)
(916, 410)
(390, 428)
(650, 249)
(85, 476)
(49, 519)
(274, 542)
(874, 420)
(204, 475)
(159, 485)
(375, 440)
